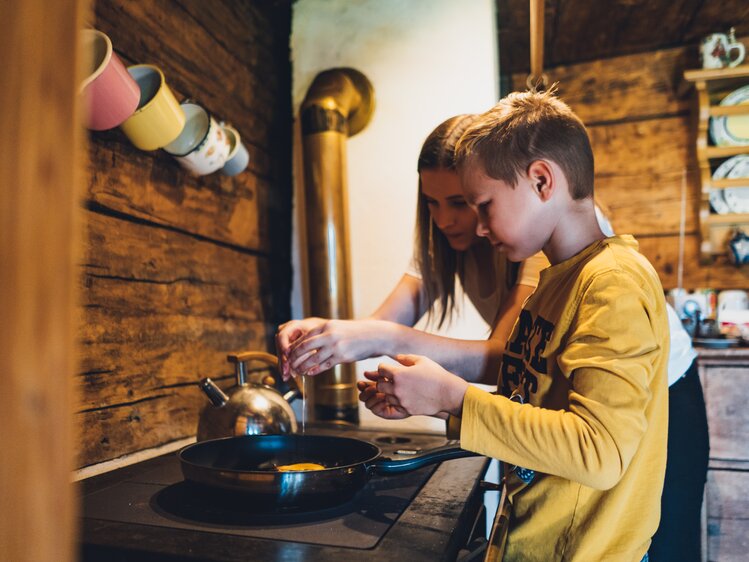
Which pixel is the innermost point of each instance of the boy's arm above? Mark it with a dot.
(608, 361)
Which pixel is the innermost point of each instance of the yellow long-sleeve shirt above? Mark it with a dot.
(589, 354)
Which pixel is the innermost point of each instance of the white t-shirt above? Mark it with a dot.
(485, 296)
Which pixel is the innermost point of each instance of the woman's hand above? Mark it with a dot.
(287, 334)
(417, 386)
(313, 345)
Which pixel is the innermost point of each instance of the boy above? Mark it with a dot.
(586, 362)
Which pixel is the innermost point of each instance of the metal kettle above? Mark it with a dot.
(251, 407)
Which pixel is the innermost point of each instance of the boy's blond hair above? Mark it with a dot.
(528, 126)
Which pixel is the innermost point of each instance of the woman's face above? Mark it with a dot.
(450, 212)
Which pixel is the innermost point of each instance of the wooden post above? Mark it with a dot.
(40, 140)
(536, 77)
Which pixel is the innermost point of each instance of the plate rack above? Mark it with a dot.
(712, 86)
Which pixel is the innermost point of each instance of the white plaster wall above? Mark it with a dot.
(427, 60)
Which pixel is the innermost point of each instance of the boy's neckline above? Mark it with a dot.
(593, 247)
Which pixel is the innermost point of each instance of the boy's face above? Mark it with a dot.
(511, 218)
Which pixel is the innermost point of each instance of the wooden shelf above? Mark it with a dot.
(714, 152)
(730, 219)
(724, 110)
(711, 74)
(722, 184)
(712, 86)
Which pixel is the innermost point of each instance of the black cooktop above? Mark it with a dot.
(147, 511)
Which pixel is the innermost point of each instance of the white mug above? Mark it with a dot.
(201, 147)
(732, 300)
(715, 51)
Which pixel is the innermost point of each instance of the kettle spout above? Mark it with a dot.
(217, 396)
(292, 395)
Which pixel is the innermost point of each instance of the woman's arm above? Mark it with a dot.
(348, 340)
(405, 304)
(313, 345)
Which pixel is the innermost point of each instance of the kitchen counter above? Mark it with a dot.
(433, 523)
(734, 353)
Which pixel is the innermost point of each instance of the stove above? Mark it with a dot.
(147, 511)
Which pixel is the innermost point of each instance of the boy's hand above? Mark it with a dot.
(378, 402)
(419, 386)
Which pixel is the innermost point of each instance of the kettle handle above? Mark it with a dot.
(245, 356)
(239, 359)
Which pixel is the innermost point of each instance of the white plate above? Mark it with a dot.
(718, 202)
(737, 199)
(731, 199)
(733, 130)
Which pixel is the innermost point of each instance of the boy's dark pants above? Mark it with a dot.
(678, 536)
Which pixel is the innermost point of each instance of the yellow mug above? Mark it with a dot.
(159, 118)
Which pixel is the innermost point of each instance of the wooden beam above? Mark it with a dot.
(40, 177)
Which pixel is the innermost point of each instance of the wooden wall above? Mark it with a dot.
(640, 122)
(179, 270)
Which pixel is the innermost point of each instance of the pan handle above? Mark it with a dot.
(385, 465)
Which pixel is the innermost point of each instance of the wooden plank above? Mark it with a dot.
(586, 30)
(155, 188)
(164, 417)
(639, 169)
(663, 253)
(727, 514)
(712, 17)
(41, 147)
(630, 87)
(581, 30)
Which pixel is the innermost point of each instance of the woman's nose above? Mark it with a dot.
(443, 218)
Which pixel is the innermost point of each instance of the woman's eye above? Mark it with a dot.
(458, 204)
(431, 202)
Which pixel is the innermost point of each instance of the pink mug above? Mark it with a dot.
(111, 95)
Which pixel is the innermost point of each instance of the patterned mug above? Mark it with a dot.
(202, 147)
(715, 50)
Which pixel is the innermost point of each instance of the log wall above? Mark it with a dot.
(178, 270)
(639, 117)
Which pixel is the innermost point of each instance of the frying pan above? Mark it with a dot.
(246, 464)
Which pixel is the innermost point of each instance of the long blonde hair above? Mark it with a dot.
(435, 259)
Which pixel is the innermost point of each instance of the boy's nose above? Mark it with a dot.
(481, 229)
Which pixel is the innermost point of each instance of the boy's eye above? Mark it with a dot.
(458, 204)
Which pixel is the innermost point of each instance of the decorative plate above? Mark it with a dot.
(733, 130)
(737, 198)
(718, 203)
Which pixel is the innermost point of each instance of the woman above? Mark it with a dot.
(447, 248)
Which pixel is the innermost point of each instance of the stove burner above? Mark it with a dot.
(193, 503)
(393, 439)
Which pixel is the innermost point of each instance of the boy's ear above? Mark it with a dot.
(542, 178)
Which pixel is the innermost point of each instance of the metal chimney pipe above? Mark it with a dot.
(338, 104)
